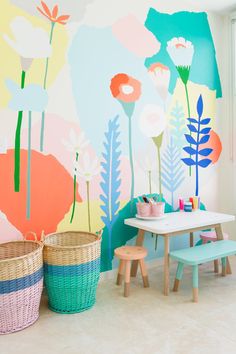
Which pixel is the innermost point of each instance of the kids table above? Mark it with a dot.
(176, 224)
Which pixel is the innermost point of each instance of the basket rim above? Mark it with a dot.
(7, 260)
(98, 240)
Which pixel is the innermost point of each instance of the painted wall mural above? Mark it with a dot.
(95, 114)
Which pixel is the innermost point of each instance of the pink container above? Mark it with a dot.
(158, 209)
(20, 309)
(144, 209)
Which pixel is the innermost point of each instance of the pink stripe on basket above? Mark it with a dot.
(20, 309)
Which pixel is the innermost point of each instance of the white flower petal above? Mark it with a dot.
(152, 120)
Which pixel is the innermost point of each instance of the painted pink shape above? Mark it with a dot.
(133, 35)
(8, 231)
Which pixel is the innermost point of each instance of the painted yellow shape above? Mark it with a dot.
(80, 221)
(10, 67)
(195, 90)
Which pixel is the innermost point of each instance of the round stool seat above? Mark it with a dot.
(131, 253)
(211, 236)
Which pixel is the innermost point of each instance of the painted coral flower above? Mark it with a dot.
(53, 15)
(152, 120)
(125, 88)
(181, 51)
(76, 142)
(160, 75)
(214, 143)
(87, 168)
(29, 42)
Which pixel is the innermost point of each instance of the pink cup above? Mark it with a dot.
(144, 209)
(158, 209)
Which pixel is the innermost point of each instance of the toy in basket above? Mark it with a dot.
(71, 270)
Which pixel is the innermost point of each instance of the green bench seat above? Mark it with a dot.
(202, 254)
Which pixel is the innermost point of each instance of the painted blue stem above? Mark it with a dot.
(197, 155)
(28, 198)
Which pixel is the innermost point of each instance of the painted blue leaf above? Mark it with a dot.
(190, 150)
(200, 106)
(189, 162)
(111, 181)
(204, 139)
(205, 131)
(192, 120)
(190, 139)
(204, 163)
(172, 169)
(205, 152)
(192, 128)
(205, 121)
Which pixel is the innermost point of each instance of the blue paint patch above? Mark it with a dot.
(195, 28)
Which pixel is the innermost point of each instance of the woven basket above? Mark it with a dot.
(71, 270)
(21, 284)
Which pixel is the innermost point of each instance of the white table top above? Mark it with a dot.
(180, 221)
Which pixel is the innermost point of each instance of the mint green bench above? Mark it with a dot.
(201, 254)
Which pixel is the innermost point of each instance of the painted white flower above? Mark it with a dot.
(160, 75)
(76, 142)
(29, 42)
(152, 121)
(181, 51)
(87, 168)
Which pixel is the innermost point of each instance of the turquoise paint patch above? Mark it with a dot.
(195, 28)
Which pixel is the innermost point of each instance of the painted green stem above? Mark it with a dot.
(131, 159)
(88, 202)
(189, 116)
(28, 198)
(74, 192)
(150, 181)
(159, 170)
(17, 142)
(45, 86)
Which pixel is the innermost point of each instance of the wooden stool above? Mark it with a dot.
(210, 236)
(126, 254)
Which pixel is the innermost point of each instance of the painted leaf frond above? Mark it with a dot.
(205, 152)
(189, 162)
(190, 139)
(192, 128)
(190, 150)
(205, 121)
(204, 139)
(205, 131)
(200, 106)
(204, 163)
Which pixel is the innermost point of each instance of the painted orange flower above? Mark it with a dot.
(215, 144)
(125, 88)
(53, 16)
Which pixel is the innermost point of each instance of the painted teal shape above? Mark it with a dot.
(195, 28)
(121, 233)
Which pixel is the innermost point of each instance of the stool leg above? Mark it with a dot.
(224, 266)
(178, 277)
(228, 267)
(216, 266)
(120, 272)
(144, 273)
(127, 278)
(195, 283)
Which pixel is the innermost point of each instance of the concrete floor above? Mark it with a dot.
(145, 323)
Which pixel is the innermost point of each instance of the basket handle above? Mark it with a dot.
(99, 233)
(32, 233)
(42, 238)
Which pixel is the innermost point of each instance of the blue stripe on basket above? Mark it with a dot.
(8, 286)
(77, 269)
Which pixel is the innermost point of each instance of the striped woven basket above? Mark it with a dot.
(71, 270)
(21, 284)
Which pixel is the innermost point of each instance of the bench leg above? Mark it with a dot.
(178, 277)
(120, 272)
(228, 267)
(195, 283)
(224, 262)
(216, 266)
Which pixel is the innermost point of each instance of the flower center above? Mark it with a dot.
(180, 45)
(127, 89)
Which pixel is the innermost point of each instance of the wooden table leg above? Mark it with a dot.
(220, 236)
(191, 239)
(139, 242)
(166, 265)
